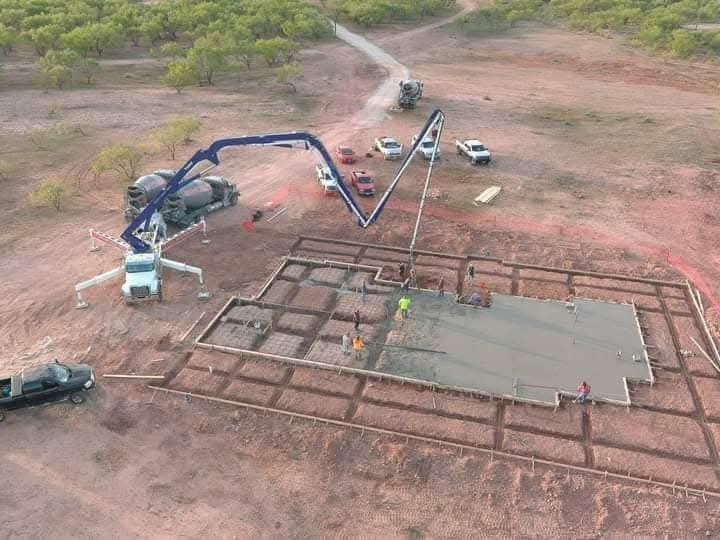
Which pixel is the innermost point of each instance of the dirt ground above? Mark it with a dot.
(607, 159)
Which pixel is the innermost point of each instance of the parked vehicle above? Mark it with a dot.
(474, 150)
(426, 147)
(363, 183)
(345, 154)
(186, 206)
(388, 147)
(325, 179)
(410, 93)
(45, 383)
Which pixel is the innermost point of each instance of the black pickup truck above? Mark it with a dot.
(45, 383)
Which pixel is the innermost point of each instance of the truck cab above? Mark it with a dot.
(345, 154)
(325, 179)
(142, 277)
(45, 383)
(474, 150)
(425, 148)
(388, 147)
(363, 183)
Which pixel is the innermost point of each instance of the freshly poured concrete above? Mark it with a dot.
(530, 349)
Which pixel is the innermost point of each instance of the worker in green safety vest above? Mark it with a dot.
(404, 304)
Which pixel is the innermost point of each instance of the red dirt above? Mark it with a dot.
(279, 292)
(650, 430)
(302, 402)
(264, 370)
(567, 420)
(202, 382)
(324, 380)
(540, 446)
(642, 288)
(670, 391)
(542, 289)
(709, 391)
(313, 297)
(624, 461)
(258, 394)
(424, 424)
(687, 329)
(659, 336)
(202, 359)
(592, 191)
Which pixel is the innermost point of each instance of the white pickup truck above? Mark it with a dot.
(474, 150)
(426, 146)
(325, 179)
(388, 147)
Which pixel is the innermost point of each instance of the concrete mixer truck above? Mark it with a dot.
(186, 206)
(410, 93)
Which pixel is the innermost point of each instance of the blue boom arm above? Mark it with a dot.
(302, 140)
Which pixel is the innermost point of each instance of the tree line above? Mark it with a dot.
(373, 12)
(202, 38)
(666, 26)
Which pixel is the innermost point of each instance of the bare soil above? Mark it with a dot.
(607, 159)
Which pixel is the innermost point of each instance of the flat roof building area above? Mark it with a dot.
(521, 347)
(524, 348)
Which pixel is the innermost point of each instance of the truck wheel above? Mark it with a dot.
(77, 399)
(233, 199)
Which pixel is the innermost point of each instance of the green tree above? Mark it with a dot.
(714, 43)
(209, 56)
(306, 24)
(129, 17)
(50, 192)
(105, 36)
(287, 73)
(244, 51)
(56, 68)
(180, 74)
(7, 169)
(335, 9)
(169, 137)
(188, 126)
(43, 38)
(277, 50)
(81, 40)
(123, 159)
(173, 50)
(87, 68)
(8, 39)
(682, 44)
(12, 17)
(151, 30)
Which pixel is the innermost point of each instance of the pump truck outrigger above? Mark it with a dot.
(145, 238)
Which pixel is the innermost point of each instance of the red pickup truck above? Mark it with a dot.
(345, 154)
(362, 182)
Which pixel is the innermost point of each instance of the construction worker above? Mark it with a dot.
(402, 270)
(583, 393)
(358, 346)
(346, 344)
(441, 286)
(404, 304)
(356, 319)
(405, 287)
(413, 278)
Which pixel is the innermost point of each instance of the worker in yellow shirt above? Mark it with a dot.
(358, 346)
(404, 304)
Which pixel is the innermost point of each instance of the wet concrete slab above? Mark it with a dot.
(522, 347)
